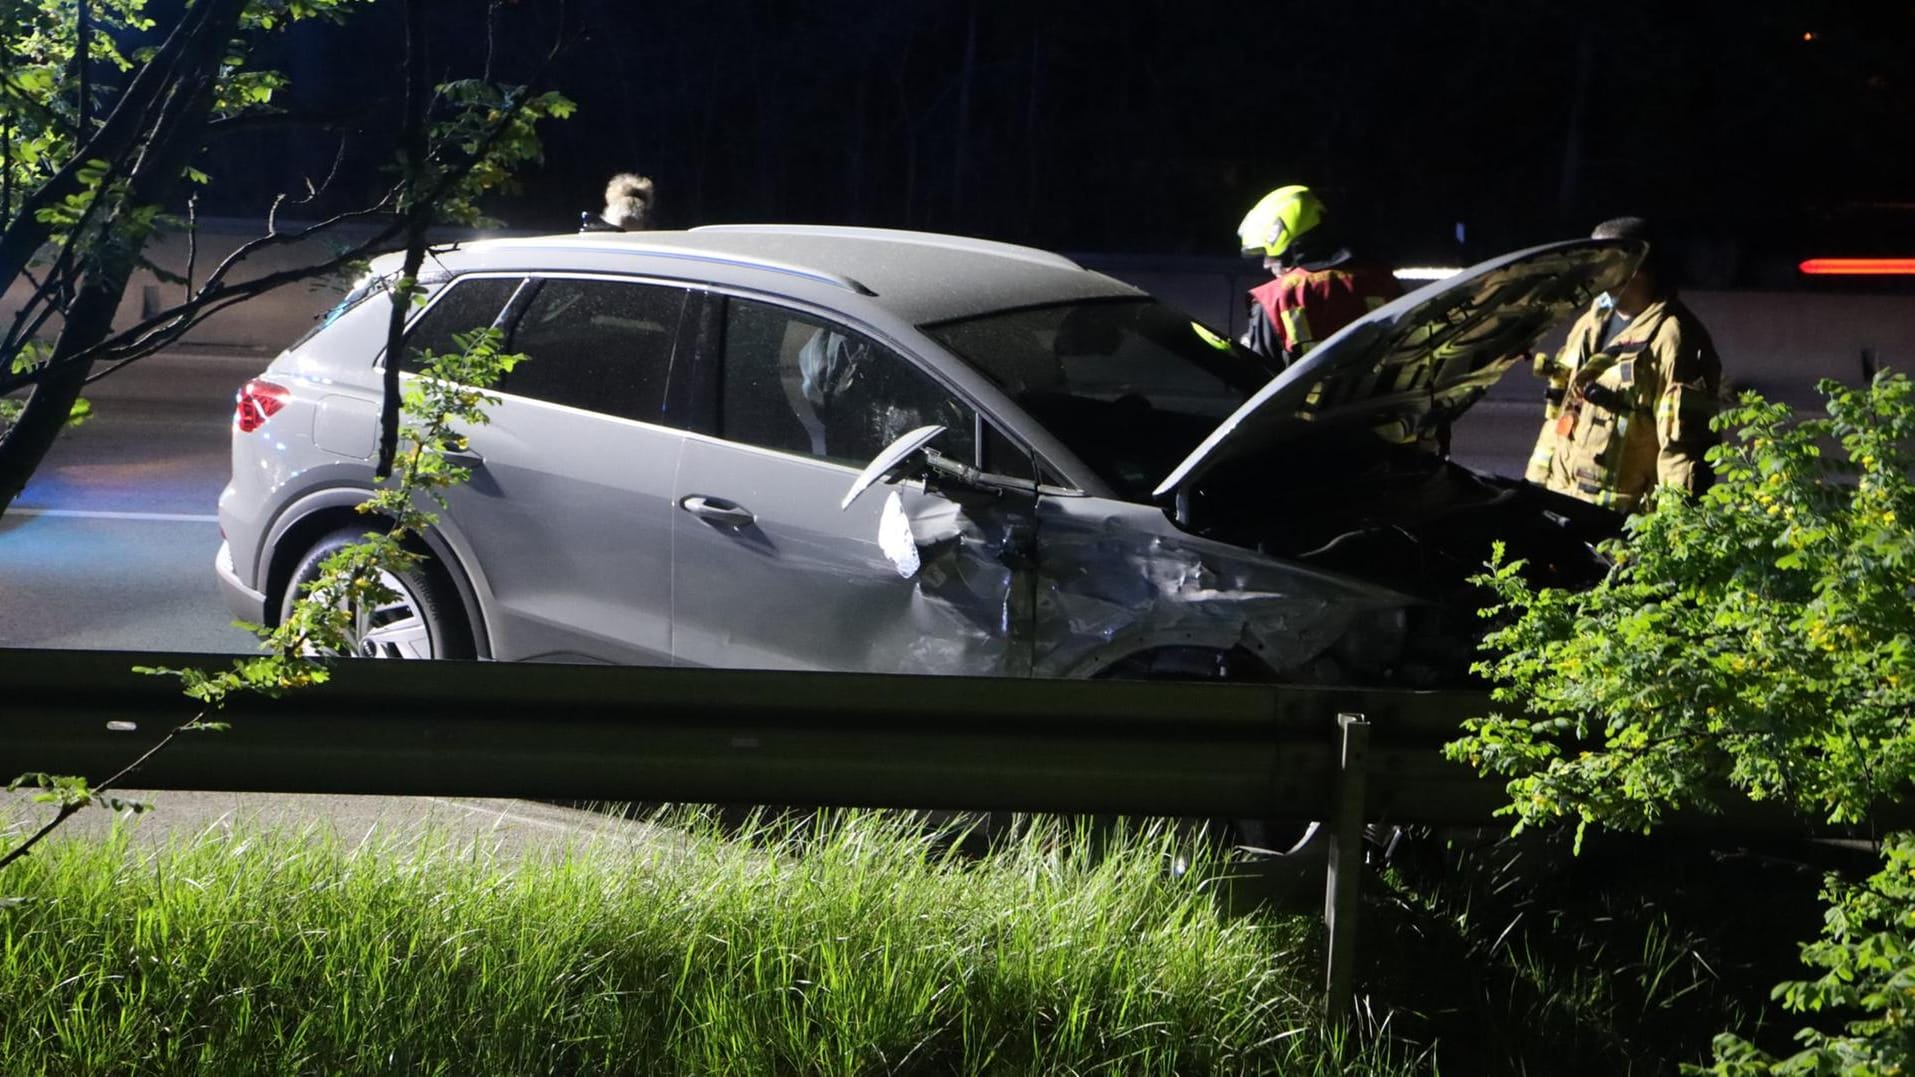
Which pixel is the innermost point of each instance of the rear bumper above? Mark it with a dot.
(246, 603)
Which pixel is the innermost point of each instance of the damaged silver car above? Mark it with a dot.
(855, 449)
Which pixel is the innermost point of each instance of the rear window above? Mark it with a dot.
(367, 287)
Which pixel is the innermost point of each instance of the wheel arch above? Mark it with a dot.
(319, 514)
(1186, 662)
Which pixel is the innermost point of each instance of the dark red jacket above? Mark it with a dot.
(1293, 312)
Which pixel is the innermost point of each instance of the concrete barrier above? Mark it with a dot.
(265, 324)
(1779, 343)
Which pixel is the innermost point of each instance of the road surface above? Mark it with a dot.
(111, 545)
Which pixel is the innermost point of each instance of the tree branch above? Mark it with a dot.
(21, 850)
(167, 326)
(69, 809)
(121, 134)
(246, 123)
(415, 138)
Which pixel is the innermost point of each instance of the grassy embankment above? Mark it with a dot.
(873, 952)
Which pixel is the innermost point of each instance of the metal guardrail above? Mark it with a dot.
(632, 733)
(1244, 751)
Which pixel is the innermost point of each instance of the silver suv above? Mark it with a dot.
(854, 449)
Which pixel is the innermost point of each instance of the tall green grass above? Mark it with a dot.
(855, 947)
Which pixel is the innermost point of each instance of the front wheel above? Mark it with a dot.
(421, 620)
(1265, 838)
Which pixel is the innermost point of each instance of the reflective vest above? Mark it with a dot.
(1306, 306)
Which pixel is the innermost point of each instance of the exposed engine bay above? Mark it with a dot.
(1423, 526)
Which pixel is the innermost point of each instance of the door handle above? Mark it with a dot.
(458, 451)
(717, 510)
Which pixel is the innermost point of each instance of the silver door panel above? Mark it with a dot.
(805, 585)
(569, 513)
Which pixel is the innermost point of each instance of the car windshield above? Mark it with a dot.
(1130, 386)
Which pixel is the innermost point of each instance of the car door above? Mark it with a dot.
(769, 571)
(567, 516)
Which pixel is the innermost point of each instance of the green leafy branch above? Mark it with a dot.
(330, 617)
(1758, 640)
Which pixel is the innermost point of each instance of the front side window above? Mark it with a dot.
(1003, 456)
(1130, 386)
(601, 345)
(800, 384)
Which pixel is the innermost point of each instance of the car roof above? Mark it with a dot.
(920, 277)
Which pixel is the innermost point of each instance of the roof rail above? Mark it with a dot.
(899, 235)
(634, 242)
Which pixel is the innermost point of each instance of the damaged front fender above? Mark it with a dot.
(1116, 579)
(1072, 586)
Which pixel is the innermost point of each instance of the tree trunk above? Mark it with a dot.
(854, 148)
(1033, 139)
(173, 136)
(418, 89)
(82, 54)
(961, 143)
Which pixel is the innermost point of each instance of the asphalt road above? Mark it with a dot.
(111, 545)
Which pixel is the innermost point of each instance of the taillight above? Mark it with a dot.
(256, 402)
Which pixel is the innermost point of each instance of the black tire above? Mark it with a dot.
(426, 622)
(1261, 837)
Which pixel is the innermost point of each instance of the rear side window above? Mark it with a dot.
(601, 345)
(794, 382)
(468, 303)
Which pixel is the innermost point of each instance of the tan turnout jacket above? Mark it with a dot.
(1632, 416)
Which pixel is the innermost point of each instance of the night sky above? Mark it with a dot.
(1756, 133)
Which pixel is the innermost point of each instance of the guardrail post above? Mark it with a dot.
(1346, 866)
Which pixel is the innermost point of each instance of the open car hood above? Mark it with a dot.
(1412, 366)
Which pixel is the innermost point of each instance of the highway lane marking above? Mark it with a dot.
(500, 814)
(102, 514)
(589, 827)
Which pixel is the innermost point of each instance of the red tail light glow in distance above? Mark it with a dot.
(1859, 267)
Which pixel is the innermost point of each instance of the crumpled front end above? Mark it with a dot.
(1117, 580)
(1083, 587)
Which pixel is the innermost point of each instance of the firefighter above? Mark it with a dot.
(1318, 285)
(1632, 392)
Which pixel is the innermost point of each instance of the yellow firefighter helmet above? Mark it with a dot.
(1278, 219)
